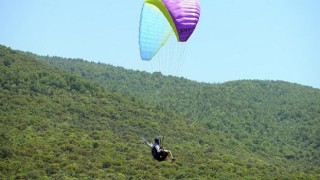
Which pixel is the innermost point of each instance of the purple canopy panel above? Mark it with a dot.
(185, 15)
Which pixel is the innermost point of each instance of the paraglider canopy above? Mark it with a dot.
(161, 17)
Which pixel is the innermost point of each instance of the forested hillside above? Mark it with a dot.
(75, 119)
(275, 119)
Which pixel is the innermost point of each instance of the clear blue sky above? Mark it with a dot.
(235, 39)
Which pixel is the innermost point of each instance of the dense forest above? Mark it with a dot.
(272, 118)
(69, 118)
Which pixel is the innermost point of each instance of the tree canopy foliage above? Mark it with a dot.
(69, 118)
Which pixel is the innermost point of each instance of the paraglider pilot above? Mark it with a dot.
(158, 152)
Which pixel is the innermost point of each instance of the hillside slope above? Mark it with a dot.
(276, 120)
(59, 125)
